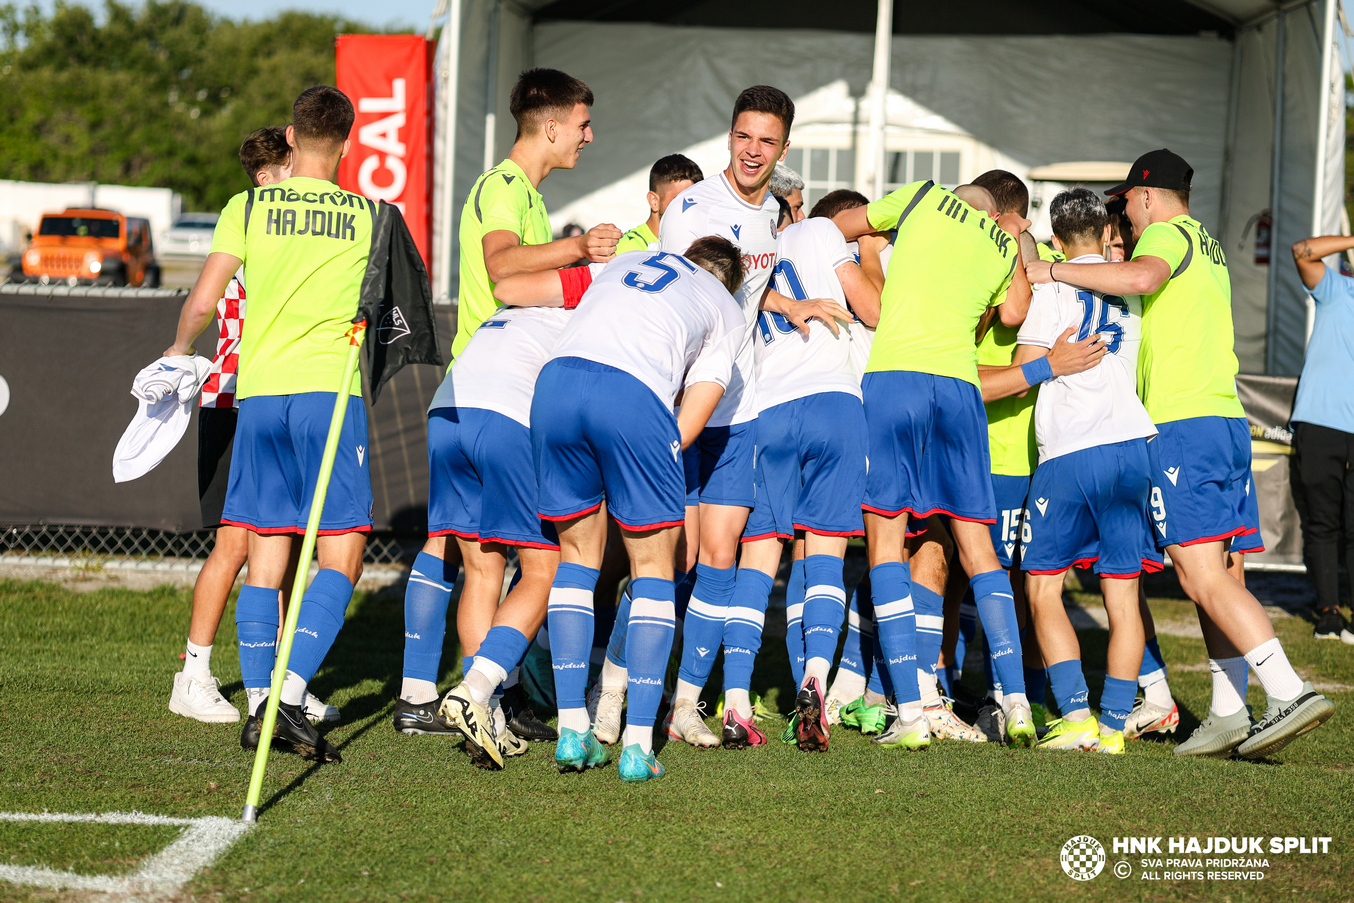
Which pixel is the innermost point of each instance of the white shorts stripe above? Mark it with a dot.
(827, 589)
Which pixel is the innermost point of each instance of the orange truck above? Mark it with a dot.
(91, 246)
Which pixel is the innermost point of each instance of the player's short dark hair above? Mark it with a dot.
(673, 168)
(322, 115)
(541, 93)
(765, 99)
(835, 202)
(1078, 215)
(787, 213)
(1006, 188)
(720, 257)
(1120, 223)
(264, 149)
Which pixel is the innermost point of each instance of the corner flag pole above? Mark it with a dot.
(251, 805)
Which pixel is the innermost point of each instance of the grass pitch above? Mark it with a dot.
(85, 678)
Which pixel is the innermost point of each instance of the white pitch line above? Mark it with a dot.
(160, 876)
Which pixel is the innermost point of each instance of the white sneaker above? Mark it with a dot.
(318, 710)
(201, 699)
(604, 712)
(685, 723)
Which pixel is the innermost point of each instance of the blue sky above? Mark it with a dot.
(411, 14)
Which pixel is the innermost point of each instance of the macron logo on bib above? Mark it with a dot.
(1042, 505)
(1172, 473)
(735, 230)
(361, 453)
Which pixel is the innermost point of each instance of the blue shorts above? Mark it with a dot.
(1010, 493)
(483, 480)
(719, 466)
(1250, 542)
(1089, 507)
(810, 468)
(1200, 470)
(598, 432)
(279, 443)
(928, 447)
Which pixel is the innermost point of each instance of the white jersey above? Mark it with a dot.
(1098, 406)
(862, 336)
(660, 318)
(497, 370)
(791, 364)
(712, 207)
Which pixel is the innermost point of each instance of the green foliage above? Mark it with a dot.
(158, 95)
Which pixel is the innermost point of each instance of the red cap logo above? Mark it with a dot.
(1145, 172)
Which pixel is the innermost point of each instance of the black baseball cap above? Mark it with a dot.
(1157, 169)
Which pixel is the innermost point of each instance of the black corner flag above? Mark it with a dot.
(396, 302)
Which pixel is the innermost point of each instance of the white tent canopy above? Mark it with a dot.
(1243, 89)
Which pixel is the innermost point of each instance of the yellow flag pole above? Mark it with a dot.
(251, 805)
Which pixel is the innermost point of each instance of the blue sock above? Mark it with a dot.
(703, 626)
(256, 630)
(504, 646)
(426, 597)
(794, 620)
(896, 628)
(569, 615)
(930, 612)
(1069, 686)
(615, 647)
(824, 606)
(852, 659)
(1152, 662)
(743, 628)
(653, 620)
(322, 610)
(1116, 701)
(1036, 680)
(467, 662)
(996, 606)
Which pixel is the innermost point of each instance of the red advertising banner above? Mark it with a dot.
(389, 78)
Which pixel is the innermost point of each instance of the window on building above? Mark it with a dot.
(826, 169)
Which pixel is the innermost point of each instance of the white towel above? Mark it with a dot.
(164, 392)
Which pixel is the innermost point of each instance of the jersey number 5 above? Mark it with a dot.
(666, 274)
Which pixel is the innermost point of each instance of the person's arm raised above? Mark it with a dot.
(1139, 276)
(1309, 252)
(698, 403)
(505, 255)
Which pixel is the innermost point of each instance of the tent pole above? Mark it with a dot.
(449, 84)
(1322, 138)
(1275, 185)
(883, 50)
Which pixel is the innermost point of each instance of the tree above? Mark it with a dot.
(156, 95)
